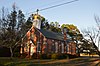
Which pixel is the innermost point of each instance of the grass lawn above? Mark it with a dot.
(6, 61)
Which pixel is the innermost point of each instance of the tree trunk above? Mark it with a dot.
(11, 52)
(98, 52)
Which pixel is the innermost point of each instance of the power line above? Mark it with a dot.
(53, 6)
(57, 5)
(52, 2)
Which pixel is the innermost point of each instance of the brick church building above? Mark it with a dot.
(44, 41)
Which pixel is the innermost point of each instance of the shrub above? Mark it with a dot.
(67, 56)
(4, 52)
(63, 56)
(23, 55)
(54, 56)
(48, 56)
(40, 56)
(51, 56)
(16, 54)
(43, 56)
(34, 56)
(1, 65)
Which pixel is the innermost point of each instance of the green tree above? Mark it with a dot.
(11, 31)
(74, 33)
(21, 19)
(28, 23)
(43, 22)
(12, 18)
(21, 25)
(55, 27)
(9, 36)
(72, 28)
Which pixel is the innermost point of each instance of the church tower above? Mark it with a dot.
(37, 21)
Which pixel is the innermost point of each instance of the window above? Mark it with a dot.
(62, 47)
(44, 47)
(56, 46)
(38, 46)
(53, 48)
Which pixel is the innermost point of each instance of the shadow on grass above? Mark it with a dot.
(98, 64)
(1, 65)
(34, 62)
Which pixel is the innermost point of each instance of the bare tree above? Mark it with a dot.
(92, 34)
(97, 19)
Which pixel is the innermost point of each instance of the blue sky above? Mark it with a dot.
(80, 13)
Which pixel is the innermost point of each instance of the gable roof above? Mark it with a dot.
(51, 35)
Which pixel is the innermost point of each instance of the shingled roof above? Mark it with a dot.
(52, 35)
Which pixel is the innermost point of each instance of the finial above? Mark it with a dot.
(37, 11)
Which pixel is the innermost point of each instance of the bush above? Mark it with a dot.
(54, 56)
(43, 56)
(16, 54)
(51, 56)
(4, 52)
(48, 56)
(23, 55)
(2, 65)
(67, 56)
(63, 56)
(34, 56)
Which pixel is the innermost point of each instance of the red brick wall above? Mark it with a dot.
(49, 47)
